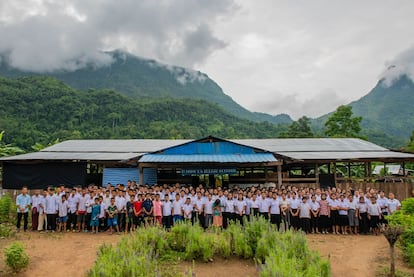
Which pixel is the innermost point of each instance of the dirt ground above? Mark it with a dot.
(72, 255)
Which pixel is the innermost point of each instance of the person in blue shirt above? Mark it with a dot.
(96, 210)
(23, 202)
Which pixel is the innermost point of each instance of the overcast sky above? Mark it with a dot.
(296, 57)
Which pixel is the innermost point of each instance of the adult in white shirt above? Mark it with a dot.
(393, 203)
(294, 205)
(275, 217)
(374, 215)
(42, 223)
(167, 219)
(228, 214)
(81, 210)
(35, 208)
(177, 208)
(264, 206)
(208, 210)
(240, 208)
(73, 200)
(51, 209)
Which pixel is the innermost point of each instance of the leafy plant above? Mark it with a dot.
(16, 257)
(5, 207)
(6, 230)
(404, 219)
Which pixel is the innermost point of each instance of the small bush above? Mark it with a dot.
(405, 219)
(16, 257)
(6, 230)
(5, 208)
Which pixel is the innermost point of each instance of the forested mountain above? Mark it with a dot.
(42, 109)
(143, 78)
(387, 113)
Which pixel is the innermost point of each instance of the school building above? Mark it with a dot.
(313, 162)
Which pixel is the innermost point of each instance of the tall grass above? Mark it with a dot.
(151, 251)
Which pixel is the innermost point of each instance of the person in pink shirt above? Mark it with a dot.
(157, 204)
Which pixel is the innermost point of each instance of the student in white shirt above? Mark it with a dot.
(51, 209)
(229, 213)
(352, 215)
(315, 207)
(208, 210)
(264, 206)
(343, 214)
(35, 208)
(362, 213)
(393, 203)
(187, 209)
(275, 217)
(374, 215)
(305, 215)
(294, 204)
(63, 213)
(240, 208)
(167, 219)
(177, 210)
(284, 210)
(81, 210)
(42, 223)
(73, 200)
(254, 203)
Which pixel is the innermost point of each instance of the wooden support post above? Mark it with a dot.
(141, 174)
(403, 166)
(279, 176)
(335, 173)
(317, 174)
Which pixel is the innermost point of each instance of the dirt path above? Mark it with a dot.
(352, 255)
(71, 255)
(56, 254)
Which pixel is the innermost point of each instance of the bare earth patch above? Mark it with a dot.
(72, 255)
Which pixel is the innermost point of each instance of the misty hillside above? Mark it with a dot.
(143, 78)
(43, 109)
(387, 113)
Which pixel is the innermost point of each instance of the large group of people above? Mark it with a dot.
(124, 208)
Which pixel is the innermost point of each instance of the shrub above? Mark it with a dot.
(405, 219)
(6, 230)
(5, 208)
(16, 257)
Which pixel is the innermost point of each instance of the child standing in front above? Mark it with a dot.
(305, 215)
(63, 208)
(96, 211)
(112, 211)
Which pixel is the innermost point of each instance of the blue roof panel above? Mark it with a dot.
(215, 158)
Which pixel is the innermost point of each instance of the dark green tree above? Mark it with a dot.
(410, 145)
(8, 149)
(299, 129)
(342, 124)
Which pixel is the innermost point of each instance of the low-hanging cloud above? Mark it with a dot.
(66, 35)
(402, 64)
(297, 105)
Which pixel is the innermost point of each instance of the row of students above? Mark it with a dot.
(168, 204)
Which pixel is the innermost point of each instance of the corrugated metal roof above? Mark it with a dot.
(311, 144)
(114, 145)
(350, 155)
(82, 156)
(228, 158)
